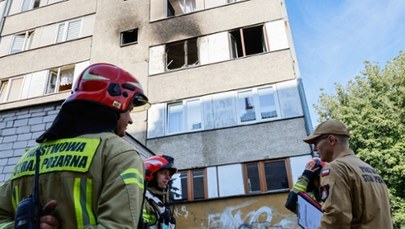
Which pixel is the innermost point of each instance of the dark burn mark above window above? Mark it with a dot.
(129, 37)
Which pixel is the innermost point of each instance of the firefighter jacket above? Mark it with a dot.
(97, 180)
(354, 195)
(156, 211)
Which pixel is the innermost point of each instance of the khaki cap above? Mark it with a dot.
(331, 126)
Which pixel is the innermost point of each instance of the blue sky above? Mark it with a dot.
(333, 39)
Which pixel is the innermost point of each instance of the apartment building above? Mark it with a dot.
(222, 77)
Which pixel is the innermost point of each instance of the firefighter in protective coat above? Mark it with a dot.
(93, 174)
(156, 211)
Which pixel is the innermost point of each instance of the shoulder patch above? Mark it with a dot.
(325, 172)
(324, 192)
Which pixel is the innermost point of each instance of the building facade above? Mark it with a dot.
(222, 77)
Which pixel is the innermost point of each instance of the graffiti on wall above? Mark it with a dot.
(238, 217)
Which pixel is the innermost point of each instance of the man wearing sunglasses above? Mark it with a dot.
(353, 193)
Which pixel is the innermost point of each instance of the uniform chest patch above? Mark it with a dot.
(324, 192)
(73, 154)
(325, 172)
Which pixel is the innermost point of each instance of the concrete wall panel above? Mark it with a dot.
(231, 145)
(50, 57)
(241, 73)
(46, 15)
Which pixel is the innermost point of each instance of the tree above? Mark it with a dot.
(373, 108)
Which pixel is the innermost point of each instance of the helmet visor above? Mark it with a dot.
(140, 102)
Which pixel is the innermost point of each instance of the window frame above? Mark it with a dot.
(58, 78)
(31, 5)
(4, 90)
(235, 45)
(66, 27)
(28, 37)
(122, 34)
(185, 113)
(186, 44)
(257, 106)
(190, 184)
(262, 176)
(10, 87)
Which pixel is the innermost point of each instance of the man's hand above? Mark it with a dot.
(48, 221)
(312, 166)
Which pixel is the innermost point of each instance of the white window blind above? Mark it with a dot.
(73, 30)
(61, 31)
(15, 89)
(18, 43)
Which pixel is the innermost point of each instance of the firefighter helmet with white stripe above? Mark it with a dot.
(109, 85)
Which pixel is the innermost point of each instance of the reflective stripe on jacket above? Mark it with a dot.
(97, 180)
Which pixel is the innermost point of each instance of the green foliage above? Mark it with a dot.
(373, 107)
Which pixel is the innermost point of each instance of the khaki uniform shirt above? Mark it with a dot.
(354, 195)
(97, 180)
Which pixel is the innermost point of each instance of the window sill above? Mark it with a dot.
(34, 101)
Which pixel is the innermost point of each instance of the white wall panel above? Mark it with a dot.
(277, 35)
(231, 179)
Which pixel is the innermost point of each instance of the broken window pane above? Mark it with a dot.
(129, 37)
(247, 41)
(181, 54)
(253, 40)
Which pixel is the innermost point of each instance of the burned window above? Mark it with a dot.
(247, 41)
(181, 54)
(129, 37)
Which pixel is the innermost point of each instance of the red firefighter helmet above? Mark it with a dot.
(109, 85)
(156, 163)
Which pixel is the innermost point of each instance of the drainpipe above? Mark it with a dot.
(3, 15)
(307, 118)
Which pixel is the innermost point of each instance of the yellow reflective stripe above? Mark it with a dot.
(83, 193)
(89, 200)
(5, 225)
(15, 200)
(148, 218)
(133, 176)
(301, 188)
(76, 199)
